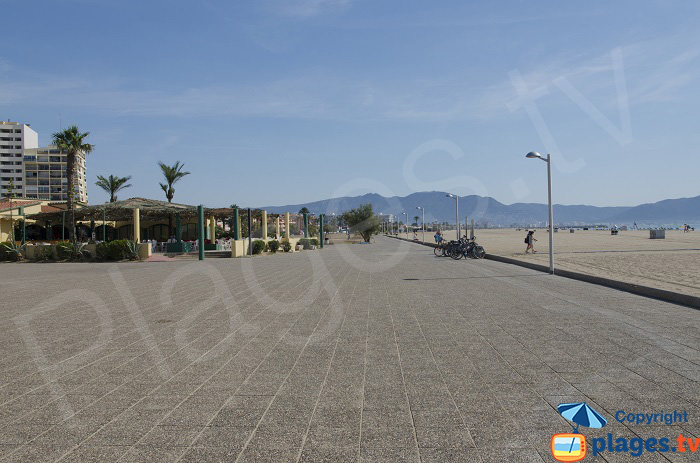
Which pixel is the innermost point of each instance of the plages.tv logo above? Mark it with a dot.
(572, 446)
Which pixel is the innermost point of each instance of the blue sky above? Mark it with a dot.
(287, 101)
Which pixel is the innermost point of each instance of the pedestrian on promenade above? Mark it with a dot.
(530, 240)
(438, 237)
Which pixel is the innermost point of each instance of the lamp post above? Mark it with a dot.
(450, 195)
(548, 160)
(406, 223)
(423, 220)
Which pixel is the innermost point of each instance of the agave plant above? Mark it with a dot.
(133, 248)
(70, 251)
(80, 252)
(12, 251)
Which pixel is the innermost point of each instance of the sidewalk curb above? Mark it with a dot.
(640, 290)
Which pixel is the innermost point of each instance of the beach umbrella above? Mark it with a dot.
(583, 415)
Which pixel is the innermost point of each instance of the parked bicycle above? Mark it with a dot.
(460, 248)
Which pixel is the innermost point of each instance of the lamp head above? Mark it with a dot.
(450, 195)
(418, 207)
(533, 154)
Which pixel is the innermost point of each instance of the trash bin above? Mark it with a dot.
(657, 234)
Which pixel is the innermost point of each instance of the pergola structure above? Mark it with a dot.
(136, 210)
(237, 214)
(129, 210)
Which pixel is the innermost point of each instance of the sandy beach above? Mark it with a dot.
(672, 263)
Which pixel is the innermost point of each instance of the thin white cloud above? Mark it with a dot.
(652, 75)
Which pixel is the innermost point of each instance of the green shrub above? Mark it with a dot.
(42, 253)
(308, 242)
(114, 250)
(273, 246)
(119, 250)
(102, 251)
(258, 246)
(286, 245)
(65, 250)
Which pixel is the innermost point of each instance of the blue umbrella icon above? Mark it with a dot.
(583, 415)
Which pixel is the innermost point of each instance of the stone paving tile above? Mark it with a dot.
(339, 454)
(399, 369)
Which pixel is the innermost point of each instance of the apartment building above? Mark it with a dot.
(45, 175)
(38, 173)
(14, 139)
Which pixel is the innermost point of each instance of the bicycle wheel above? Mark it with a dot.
(478, 252)
(457, 253)
(438, 250)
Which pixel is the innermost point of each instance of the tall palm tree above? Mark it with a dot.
(304, 210)
(112, 185)
(71, 141)
(172, 175)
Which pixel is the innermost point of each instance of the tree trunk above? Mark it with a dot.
(170, 217)
(70, 168)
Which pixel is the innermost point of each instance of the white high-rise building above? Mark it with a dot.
(45, 175)
(14, 139)
(38, 173)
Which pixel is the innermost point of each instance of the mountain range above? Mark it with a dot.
(487, 211)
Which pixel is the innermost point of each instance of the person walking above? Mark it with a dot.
(530, 240)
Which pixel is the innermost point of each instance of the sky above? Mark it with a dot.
(279, 102)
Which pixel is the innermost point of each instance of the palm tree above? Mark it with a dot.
(415, 220)
(304, 210)
(172, 175)
(112, 185)
(72, 141)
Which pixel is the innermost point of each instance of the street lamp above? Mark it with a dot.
(450, 195)
(548, 160)
(406, 223)
(423, 221)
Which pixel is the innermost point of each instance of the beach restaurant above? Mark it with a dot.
(149, 221)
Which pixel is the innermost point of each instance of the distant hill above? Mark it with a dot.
(488, 211)
(681, 210)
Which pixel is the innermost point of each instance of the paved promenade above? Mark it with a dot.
(372, 353)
